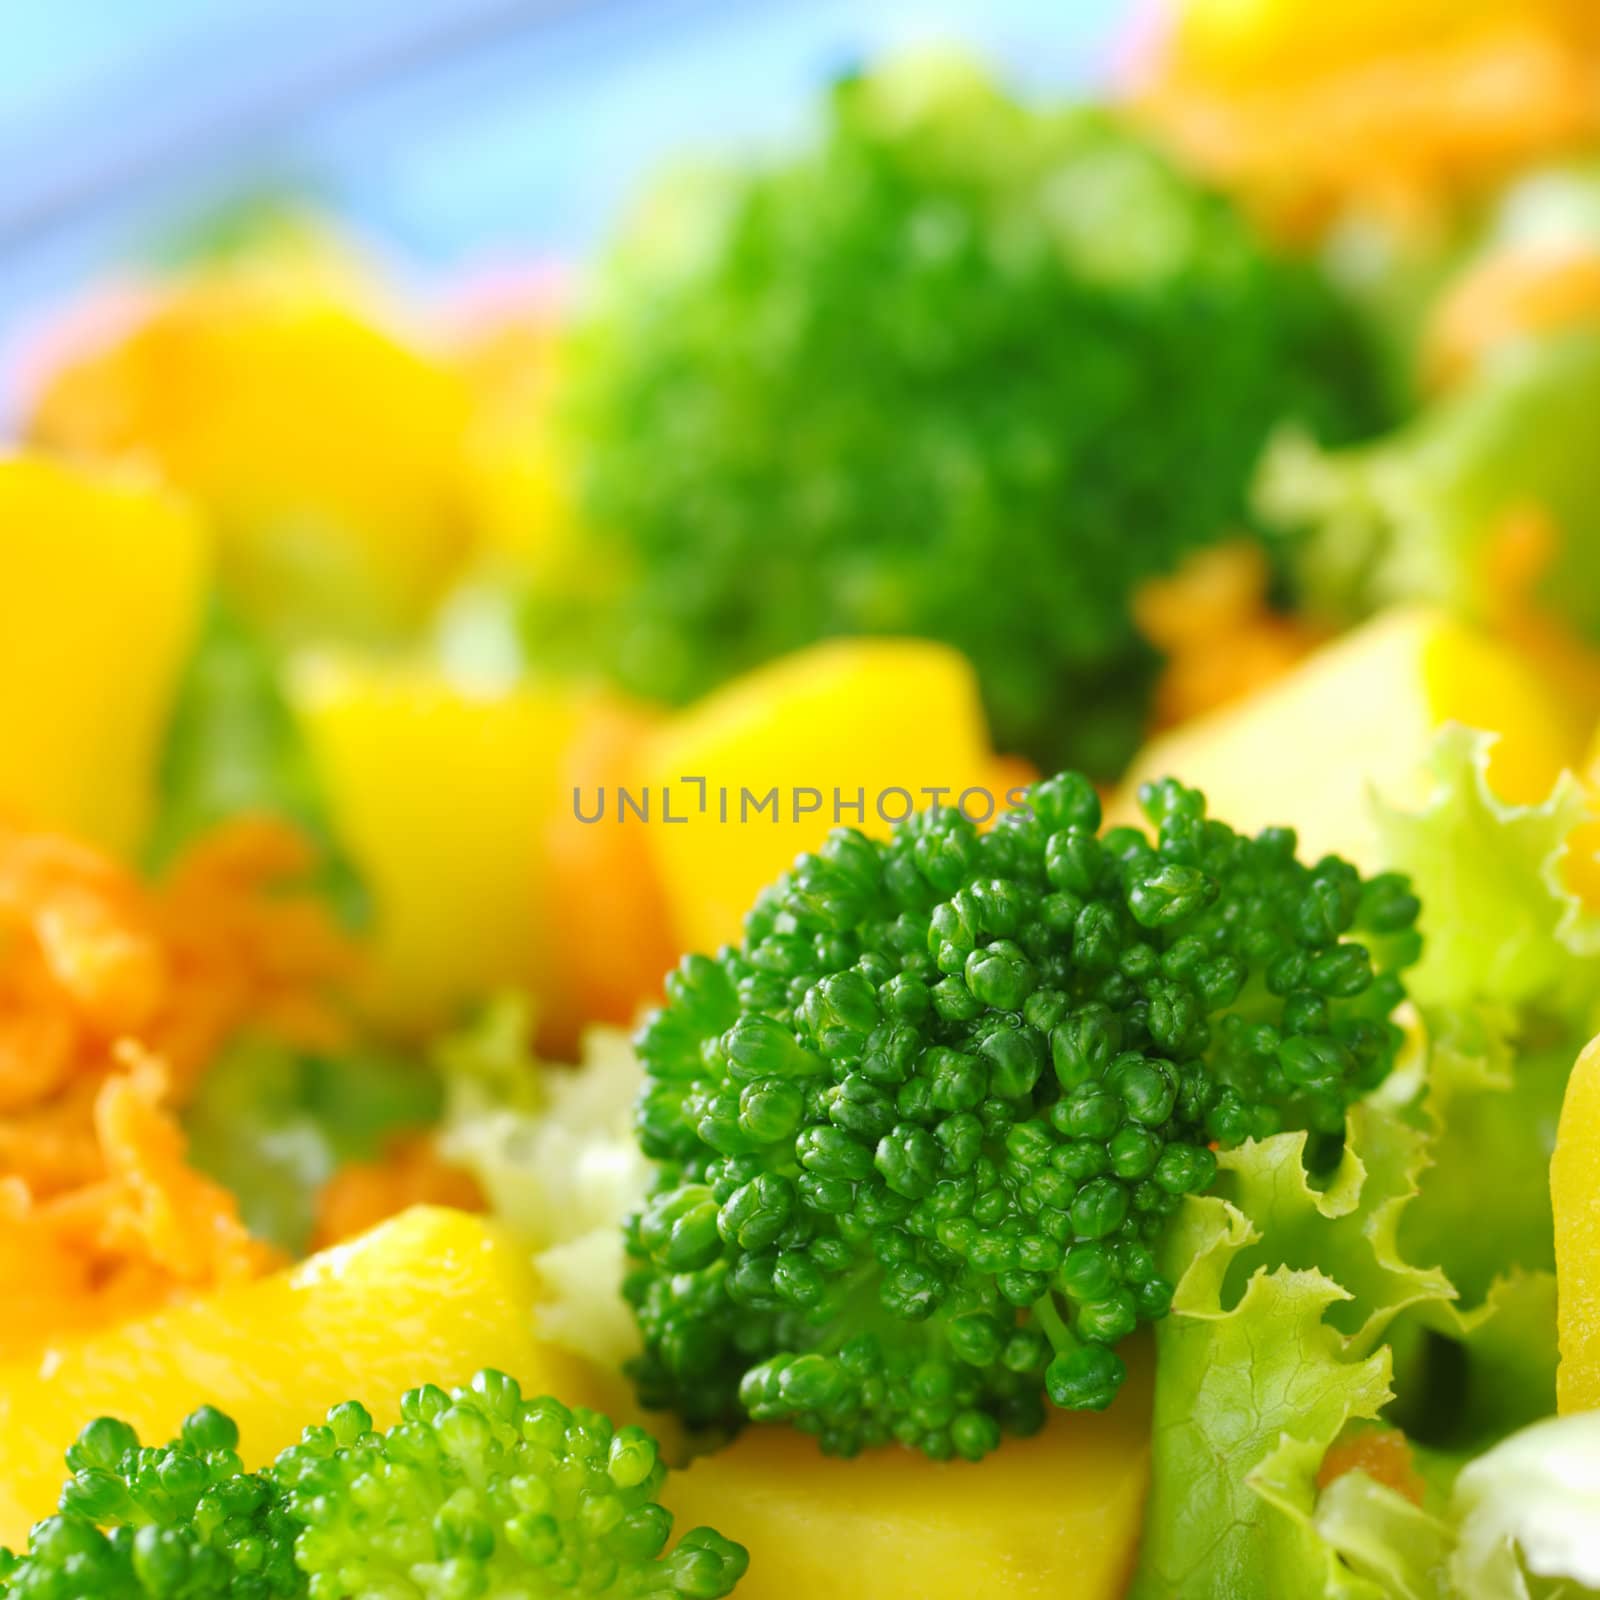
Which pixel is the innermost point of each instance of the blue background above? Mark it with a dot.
(457, 132)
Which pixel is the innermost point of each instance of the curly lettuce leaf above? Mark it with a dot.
(1500, 926)
(1529, 1515)
(1285, 1288)
(1508, 1358)
(1508, 982)
(1388, 1286)
(1522, 1523)
(1474, 1368)
(1305, 1302)
(1394, 1548)
(1492, 1107)
(1416, 514)
(553, 1149)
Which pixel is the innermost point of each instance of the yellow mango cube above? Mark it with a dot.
(442, 793)
(429, 1297)
(1575, 1191)
(1051, 1516)
(1359, 716)
(879, 720)
(328, 454)
(104, 580)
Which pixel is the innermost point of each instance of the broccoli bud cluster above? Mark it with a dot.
(475, 1494)
(918, 1136)
(481, 1492)
(176, 1520)
(946, 411)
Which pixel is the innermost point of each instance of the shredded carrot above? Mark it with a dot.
(1222, 639)
(244, 947)
(114, 996)
(168, 1214)
(150, 1230)
(1384, 1454)
(90, 956)
(410, 1172)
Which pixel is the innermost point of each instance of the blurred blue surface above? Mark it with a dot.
(458, 132)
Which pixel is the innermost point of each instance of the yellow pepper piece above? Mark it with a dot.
(330, 456)
(888, 717)
(1050, 1516)
(429, 1297)
(1575, 1191)
(104, 577)
(443, 795)
(517, 467)
(1359, 715)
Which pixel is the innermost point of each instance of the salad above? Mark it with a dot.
(895, 894)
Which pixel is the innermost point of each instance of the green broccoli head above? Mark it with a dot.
(181, 1521)
(920, 380)
(481, 1492)
(918, 1135)
(477, 1492)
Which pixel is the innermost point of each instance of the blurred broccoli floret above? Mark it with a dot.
(967, 369)
(918, 1135)
(478, 1492)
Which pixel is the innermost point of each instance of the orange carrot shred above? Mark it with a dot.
(1384, 1454)
(1221, 638)
(115, 995)
(410, 1172)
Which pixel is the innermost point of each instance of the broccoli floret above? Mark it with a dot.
(481, 1492)
(181, 1521)
(929, 377)
(917, 1136)
(477, 1492)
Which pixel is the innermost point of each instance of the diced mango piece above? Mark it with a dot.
(1050, 1516)
(509, 354)
(329, 455)
(429, 1297)
(1359, 715)
(1575, 1191)
(442, 794)
(104, 578)
(869, 719)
